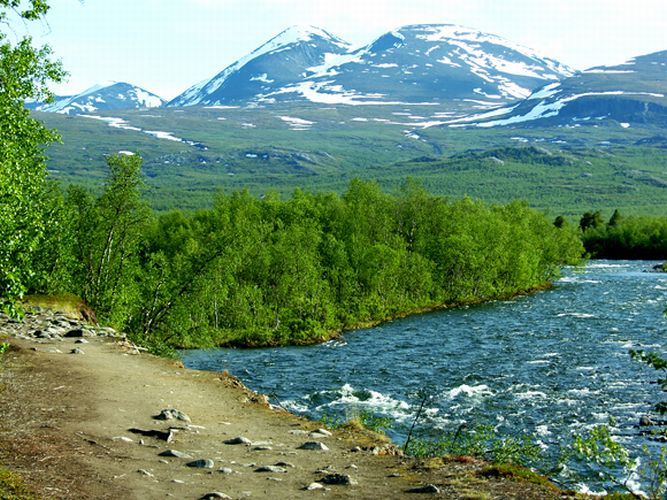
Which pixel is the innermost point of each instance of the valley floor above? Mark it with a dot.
(67, 419)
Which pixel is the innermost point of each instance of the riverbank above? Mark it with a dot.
(70, 407)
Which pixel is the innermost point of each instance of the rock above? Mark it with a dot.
(202, 463)
(262, 448)
(81, 341)
(356, 449)
(122, 439)
(645, 421)
(427, 488)
(174, 453)
(238, 440)
(274, 469)
(225, 470)
(144, 472)
(215, 494)
(314, 486)
(313, 445)
(76, 350)
(167, 436)
(76, 332)
(338, 479)
(321, 433)
(178, 481)
(285, 464)
(298, 432)
(277, 479)
(172, 414)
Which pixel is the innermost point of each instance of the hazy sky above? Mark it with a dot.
(167, 45)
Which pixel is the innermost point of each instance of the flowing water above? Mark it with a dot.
(549, 364)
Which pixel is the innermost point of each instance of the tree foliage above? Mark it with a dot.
(268, 271)
(626, 237)
(24, 74)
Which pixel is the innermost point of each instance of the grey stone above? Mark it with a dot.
(274, 469)
(123, 439)
(76, 332)
(76, 350)
(202, 463)
(285, 464)
(314, 486)
(172, 414)
(225, 470)
(271, 468)
(262, 448)
(427, 488)
(277, 479)
(645, 421)
(321, 433)
(174, 453)
(144, 472)
(81, 341)
(343, 479)
(238, 440)
(313, 445)
(215, 494)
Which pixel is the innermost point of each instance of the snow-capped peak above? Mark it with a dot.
(305, 33)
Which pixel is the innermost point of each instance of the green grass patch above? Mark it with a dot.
(12, 487)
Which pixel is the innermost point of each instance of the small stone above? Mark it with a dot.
(201, 464)
(356, 449)
(277, 479)
(178, 481)
(352, 466)
(76, 350)
(225, 470)
(172, 414)
(271, 468)
(285, 464)
(645, 421)
(76, 332)
(322, 432)
(313, 445)
(427, 488)
(123, 439)
(298, 432)
(262, 443)
(163, 461)
(394, 474)
(238, 440)
(174, 453)
(81, 341)
(338, 479)
(215, 494)
(262, 448)
(144, 472)
(314, 486)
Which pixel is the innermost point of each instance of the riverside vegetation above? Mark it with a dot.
(269, 271)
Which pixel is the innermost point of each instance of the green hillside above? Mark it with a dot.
(561, 169)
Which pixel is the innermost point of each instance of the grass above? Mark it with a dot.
(13, 488)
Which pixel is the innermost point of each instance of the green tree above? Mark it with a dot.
(25, 72)
(109, 231)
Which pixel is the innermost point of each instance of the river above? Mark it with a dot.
(550, 364)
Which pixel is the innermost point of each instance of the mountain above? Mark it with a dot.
(279, 62)
(417, 64)
(632, 92)
(105, 97)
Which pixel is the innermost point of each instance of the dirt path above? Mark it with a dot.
(66, 420)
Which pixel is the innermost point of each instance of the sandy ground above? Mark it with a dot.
(66, 420)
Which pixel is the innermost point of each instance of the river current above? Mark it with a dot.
(549, 364)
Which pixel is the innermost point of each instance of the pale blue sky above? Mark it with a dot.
(167, 45)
